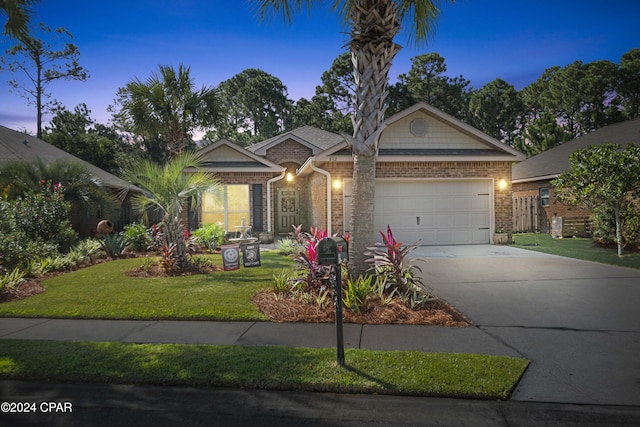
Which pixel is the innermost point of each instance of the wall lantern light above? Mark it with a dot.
(502, 184)
(337, 184)
(289, 177)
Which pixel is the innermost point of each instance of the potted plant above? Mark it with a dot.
(501, 237)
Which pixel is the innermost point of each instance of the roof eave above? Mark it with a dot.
(536, 178)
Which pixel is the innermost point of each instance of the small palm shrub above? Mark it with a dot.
(137, 237)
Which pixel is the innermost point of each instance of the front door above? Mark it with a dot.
(287, 211)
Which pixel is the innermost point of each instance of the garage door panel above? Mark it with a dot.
(437, 212)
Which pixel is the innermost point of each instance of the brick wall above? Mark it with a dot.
(470, 169)
(289, 151)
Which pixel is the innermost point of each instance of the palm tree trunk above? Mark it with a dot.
(375, 24)
(361, 221)
(173, 234)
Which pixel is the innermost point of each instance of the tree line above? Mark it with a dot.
(156, 117)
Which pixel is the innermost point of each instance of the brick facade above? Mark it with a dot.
(503, 202)
(289, 151)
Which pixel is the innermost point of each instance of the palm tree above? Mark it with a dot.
(373, 26)
(84, 191)
(78, 185)
(166, 107)
(166, 189)
(18, 14)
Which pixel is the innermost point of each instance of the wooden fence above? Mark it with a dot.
(526, 214)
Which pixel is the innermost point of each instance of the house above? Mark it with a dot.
(18, 146)
(439, 180)
(533, 193)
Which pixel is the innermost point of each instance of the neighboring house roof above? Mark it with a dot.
(17, 146)
(315, 139)
(225, 156)
(551, 163)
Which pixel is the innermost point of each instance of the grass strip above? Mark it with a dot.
(273, 368)
(104, 291)
(576, 247)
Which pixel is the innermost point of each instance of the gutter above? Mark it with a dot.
(269, 206)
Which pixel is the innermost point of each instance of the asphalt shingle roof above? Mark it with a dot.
(17, 146)
(556, 160)
(319, 138)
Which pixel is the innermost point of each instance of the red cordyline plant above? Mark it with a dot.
(387, 259)
(314, 274)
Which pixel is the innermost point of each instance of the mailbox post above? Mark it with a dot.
(327, 253)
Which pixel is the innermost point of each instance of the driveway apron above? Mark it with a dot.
(577, 321)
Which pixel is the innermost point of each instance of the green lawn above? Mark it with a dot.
(273, 368)
(103, 291)
(579, 248)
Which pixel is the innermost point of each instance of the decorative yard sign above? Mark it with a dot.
(230, 257)
(251, 255)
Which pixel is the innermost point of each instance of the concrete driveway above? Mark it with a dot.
(577, 321)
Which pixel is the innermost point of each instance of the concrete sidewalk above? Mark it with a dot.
(374, 337)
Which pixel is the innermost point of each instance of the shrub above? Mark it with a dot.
(43, 217)
(357, 291)
(210, 235)
(86, 248)
(281, 282)
(604, 226)
(18, 251)
(113, 244)
(34, 227)
(137, 237)
(11, 279)
(287, 247)
(388, 263)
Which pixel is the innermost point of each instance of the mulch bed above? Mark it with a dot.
(283, 308)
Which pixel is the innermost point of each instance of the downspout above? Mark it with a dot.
(269, 182)
(328, 175)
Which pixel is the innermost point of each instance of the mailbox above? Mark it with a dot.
(327, 252)
(343, 249)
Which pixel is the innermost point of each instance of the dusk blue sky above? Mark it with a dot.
(480, 39)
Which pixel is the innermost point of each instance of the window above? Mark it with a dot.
(544, 197)
(227, 207)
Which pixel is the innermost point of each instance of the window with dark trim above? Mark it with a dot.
(544, 197)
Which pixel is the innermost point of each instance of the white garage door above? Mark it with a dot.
(437, 212)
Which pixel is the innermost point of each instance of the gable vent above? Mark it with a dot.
(418, 127)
